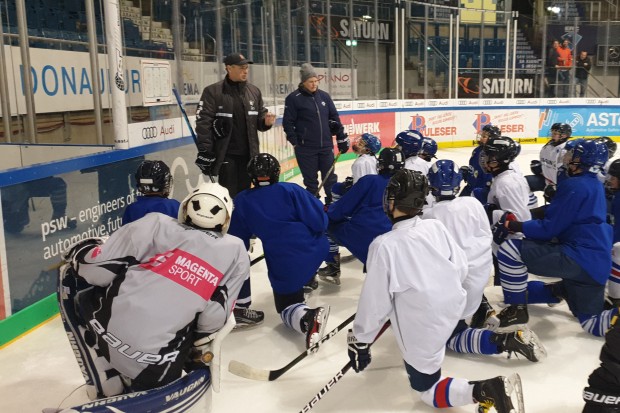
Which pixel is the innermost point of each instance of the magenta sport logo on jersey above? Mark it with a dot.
(186, 270)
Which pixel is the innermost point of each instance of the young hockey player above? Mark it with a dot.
(478, 179)
(366, 147)
(410, 142)
(466, 220)
(357, 218)
(154, 181)
(414, 270)
(291, 224)
(572, 242)
(138, 307)
(545, 170)
(509, 190)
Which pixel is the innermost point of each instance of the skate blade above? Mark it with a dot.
(347, 258)
(316, 337)
(330, 280)
(539, 350)
(513, 386)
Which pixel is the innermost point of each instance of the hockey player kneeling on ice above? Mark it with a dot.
(291, 225)
(572, 242)
(154, 182)
(603, 392)
(414, 270)
(141, 306)
(467, 222)
(357, 218)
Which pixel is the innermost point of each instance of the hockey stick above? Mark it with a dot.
(329, 172)
(337, 377)
(257, 259)
(189, 125)
(243, 370)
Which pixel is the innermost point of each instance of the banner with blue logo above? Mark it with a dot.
(585, 121)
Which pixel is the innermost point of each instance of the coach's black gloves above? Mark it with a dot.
(343, 142)
(205, 161)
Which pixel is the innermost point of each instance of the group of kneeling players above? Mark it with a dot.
(146, 304)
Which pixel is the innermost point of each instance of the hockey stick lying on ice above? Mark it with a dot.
(243, 370)
(257, 259)
(336, 378)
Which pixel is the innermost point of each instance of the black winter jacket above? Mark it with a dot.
(306, 118)
(217, 99)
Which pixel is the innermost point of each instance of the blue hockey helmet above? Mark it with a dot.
(410, 142)
(428, 149)
(589, 154)
(444, 178)
(371, 142)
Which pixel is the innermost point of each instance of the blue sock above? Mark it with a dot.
(538, 293)
(597, 324)
(473, 340)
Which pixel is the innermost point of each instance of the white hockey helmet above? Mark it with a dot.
(208, 207)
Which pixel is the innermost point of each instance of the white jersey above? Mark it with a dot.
(415, 278)
(364, 165)
(163, 281)
(467, 221)
(510, 192)
(415, 163)
(514, 165)
(551, 159)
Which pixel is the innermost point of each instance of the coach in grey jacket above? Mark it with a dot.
(310, 120)
(229, 115)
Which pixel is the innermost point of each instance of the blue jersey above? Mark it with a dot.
(479, 178)
(614, 213)
(358, 217)
(145, 204)
(577, 218)
(291, 225)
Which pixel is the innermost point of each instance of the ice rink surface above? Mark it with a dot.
(39, 370)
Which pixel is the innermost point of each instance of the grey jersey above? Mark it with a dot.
(163, 282)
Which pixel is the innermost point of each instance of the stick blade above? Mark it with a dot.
(243, 370)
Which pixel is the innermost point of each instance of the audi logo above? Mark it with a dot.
(150, 132)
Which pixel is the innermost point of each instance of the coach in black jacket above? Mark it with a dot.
(310, 120)
(229, 115)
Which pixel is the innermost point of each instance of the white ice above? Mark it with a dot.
(39, 369)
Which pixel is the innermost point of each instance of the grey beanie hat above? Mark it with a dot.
(306, 72)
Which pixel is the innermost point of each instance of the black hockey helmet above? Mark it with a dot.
(488, 131)
(565, 131)
(501, 149)
(614, 169)
(390, 161)
(154, 178)
(408, 190)
(611, 145)
(264, 169)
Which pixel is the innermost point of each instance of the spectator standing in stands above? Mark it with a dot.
(583, 66)
(310, 120)
(229, 115)
(552, 61)
(565, 62)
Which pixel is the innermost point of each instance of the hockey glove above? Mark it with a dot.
(536, 167)
(359, 353)
(222, 127)
(549, 193)
(343, 142)
(205, 162)
(500, 230)
(335, 128)
(348, 183)
(467, 171)
(201, 353)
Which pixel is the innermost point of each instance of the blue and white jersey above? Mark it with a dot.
(364, 165)
(577, 218)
